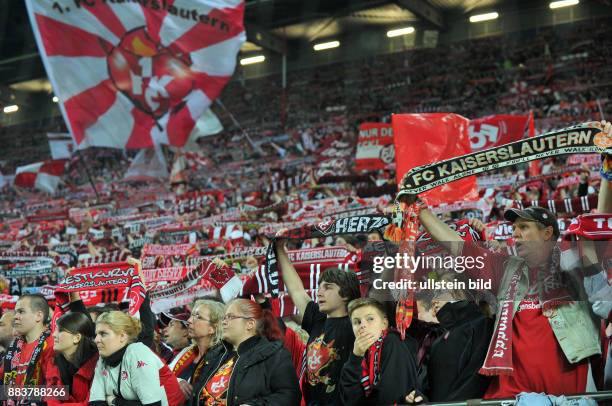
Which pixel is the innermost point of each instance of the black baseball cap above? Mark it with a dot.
(537, 214)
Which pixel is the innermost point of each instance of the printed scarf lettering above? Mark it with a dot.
(118, 275)
(584, 138)
(346, 225)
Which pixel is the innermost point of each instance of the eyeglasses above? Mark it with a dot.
(233, 317)
(200, 318)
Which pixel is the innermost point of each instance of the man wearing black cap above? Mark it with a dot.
(535, 231)
(544, 334)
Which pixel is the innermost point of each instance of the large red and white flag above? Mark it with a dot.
(136, 74)
(45, 176)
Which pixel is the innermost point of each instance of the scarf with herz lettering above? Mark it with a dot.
(347, 225)
(104, 279)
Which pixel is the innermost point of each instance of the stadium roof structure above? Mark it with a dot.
(273, 25)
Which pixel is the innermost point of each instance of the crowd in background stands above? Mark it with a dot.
(560, 73)
(563, 75)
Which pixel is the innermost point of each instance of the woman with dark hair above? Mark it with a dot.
(250, 366)
(75, 357)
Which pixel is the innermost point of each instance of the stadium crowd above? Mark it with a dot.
(328, 338)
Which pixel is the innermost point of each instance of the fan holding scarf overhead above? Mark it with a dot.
(555, 360)
(331, 338)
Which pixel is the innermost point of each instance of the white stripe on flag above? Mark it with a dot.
(312, 274)
(258, 277)
(264, 277)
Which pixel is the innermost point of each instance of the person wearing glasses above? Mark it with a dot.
(250, 366)
(204, 330)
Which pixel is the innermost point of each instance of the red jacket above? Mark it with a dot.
(79, 392)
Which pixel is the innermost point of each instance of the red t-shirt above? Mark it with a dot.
(22, 360)
(538, 361)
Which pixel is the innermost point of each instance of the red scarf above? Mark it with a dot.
(309, 268)
(101, 277)
(592, 227)
(186, 360)
(499, 354)
(408, 235)
(370, 365)
(553, 294)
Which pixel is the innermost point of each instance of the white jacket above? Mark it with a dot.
(140, 381)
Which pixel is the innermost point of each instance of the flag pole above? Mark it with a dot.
(88, 174)
(237, 124)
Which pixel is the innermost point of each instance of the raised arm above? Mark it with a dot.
(604, 200)
(291, 279)
(147, 319)
(439, 230)
(77, 306)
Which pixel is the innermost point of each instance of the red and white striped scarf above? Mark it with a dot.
(370, 365)
(104, 277)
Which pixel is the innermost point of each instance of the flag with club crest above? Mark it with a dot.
(133, 74)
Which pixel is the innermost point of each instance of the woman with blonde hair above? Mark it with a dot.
(251, 365)
(129, 373)
(204, 330)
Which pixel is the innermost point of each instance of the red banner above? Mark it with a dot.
(422, 139)
(375, 147)
(589, 159)
(492, 131)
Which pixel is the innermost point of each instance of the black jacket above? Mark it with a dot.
(263, 374)
(398, 376)
(457, 355)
